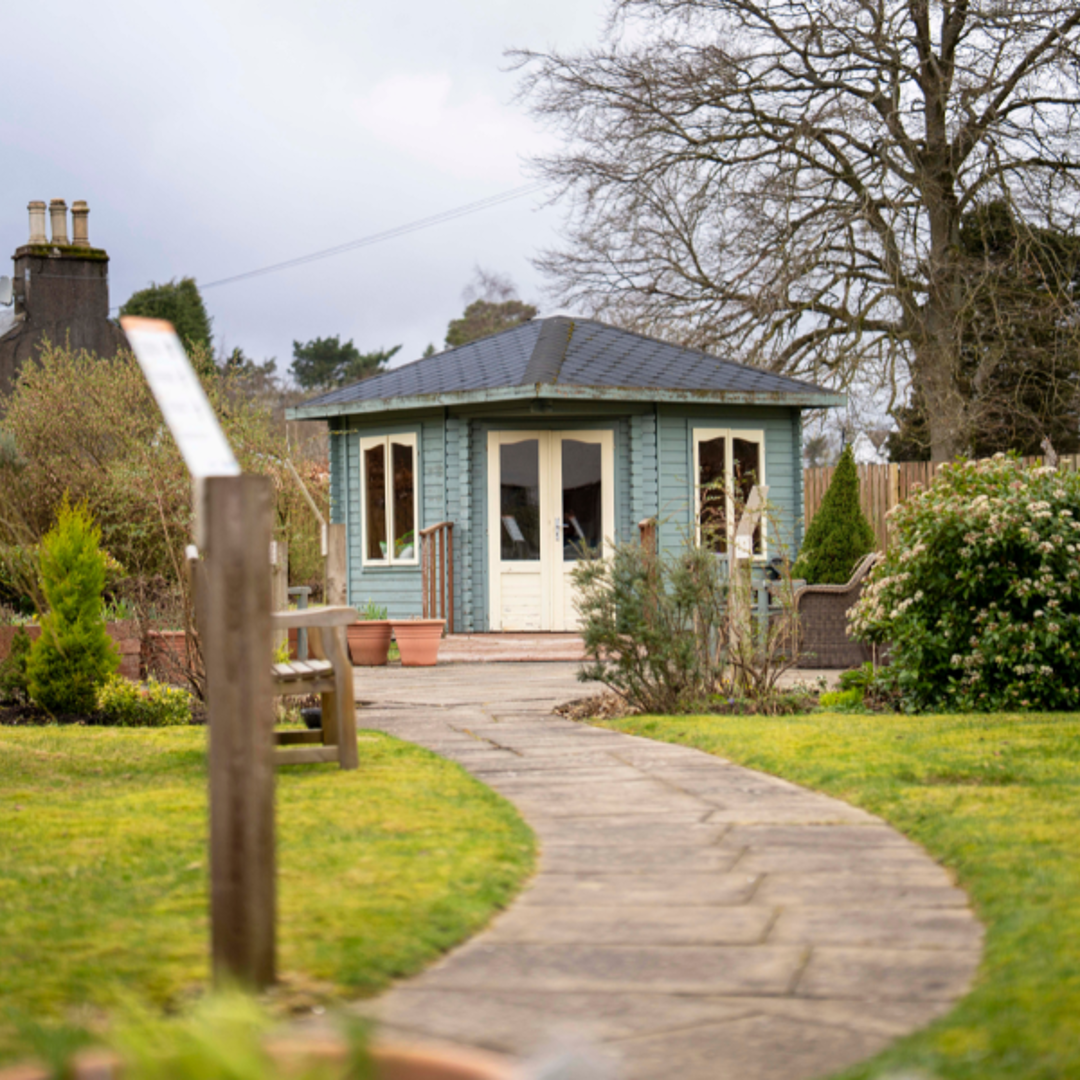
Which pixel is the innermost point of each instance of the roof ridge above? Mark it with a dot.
(550, 350)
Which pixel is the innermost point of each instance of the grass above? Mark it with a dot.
(994, 798)
(103, 871)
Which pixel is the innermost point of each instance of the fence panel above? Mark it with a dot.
(881, 487)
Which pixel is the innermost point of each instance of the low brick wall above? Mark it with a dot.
(125, 636)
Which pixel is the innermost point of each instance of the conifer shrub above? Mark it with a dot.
(839, 537)
(73, 657)
(13, 684)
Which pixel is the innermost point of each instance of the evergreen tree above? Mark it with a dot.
(491, 305)
(73, 657)
(181, 303)
(325, 363)
(839, 536)
(483, 318)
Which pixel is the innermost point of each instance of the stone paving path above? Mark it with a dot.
(694, 918)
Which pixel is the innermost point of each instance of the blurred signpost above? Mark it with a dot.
(232, 603)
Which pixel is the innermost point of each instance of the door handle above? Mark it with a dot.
(558, 530)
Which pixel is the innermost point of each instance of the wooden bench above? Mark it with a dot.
(330, 674)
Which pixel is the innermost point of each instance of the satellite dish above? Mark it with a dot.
(5, 292)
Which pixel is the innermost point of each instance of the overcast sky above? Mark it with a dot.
(214, 138)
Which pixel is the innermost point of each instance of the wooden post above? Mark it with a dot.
(234, 598)
(336, 592)
(279, 586)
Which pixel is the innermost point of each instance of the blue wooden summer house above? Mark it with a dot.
(471, 481)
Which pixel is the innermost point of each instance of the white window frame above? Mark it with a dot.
(367, 442)
(754, 435)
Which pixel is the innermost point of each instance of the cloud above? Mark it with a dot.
(420, 115)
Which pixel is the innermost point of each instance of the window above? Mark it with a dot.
(388, 500)
(727, 465)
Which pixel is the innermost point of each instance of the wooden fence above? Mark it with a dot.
(881, 487)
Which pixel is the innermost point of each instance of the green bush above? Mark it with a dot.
(839, 536)
(979, 595)
(14, 689)
(73, 656)
(653, 626)
(842, 699)
(151, 704)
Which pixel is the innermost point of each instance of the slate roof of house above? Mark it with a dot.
(567, 357)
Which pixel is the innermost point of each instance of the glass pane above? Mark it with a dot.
(746, 463)
(519, 500)
(713, 512)
(404, 501)
(375, 510)
(582, 514)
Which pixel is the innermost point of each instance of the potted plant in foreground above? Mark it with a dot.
(369, 639)
(418, 640)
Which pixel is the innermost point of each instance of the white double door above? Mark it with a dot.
(551, 502)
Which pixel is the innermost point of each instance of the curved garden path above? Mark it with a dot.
(689, 917)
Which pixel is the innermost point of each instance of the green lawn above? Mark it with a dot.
(103, 868)
(996, 799)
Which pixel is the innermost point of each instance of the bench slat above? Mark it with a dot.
(303, 687)
(289, 738)
(305, 755)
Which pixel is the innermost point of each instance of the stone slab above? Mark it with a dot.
(641, 889)
(621, 858)
(875, 974)
(627, 925)
(708, 969)
(750, 1048)
(891, 888)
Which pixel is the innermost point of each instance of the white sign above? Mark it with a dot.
(180, 395)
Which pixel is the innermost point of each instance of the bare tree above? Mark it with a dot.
(786, 180)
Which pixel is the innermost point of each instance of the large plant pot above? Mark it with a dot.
(369, 642)
(329, 1056)
(418, 640)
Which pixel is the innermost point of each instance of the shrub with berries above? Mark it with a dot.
(979, 594)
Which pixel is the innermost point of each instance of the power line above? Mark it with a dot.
(388, 234)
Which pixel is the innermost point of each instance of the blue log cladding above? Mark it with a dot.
(650, 395)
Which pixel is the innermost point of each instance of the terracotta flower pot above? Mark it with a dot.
(328, 1055)
(418, 640)
(369, 642)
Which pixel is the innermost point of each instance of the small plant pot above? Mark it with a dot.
(418, 640)
(369, 642)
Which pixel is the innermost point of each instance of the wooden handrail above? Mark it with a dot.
(437, 572)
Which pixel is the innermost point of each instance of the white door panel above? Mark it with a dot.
(551, 500)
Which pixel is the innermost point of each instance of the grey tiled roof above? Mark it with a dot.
(570, 352)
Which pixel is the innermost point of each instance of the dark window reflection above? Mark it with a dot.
(519, 500)
(375, 494)
(404, 501)
(713, 514)
(746, 464)
(582, 502)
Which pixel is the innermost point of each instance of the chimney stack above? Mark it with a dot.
(58, 221)
(80, 224)
(37, 223)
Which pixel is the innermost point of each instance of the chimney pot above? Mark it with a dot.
(80, 224)
(58, 221)
(37, 223)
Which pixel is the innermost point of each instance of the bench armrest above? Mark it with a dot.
(314, 617)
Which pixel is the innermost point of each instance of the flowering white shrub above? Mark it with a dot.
(979, 595)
